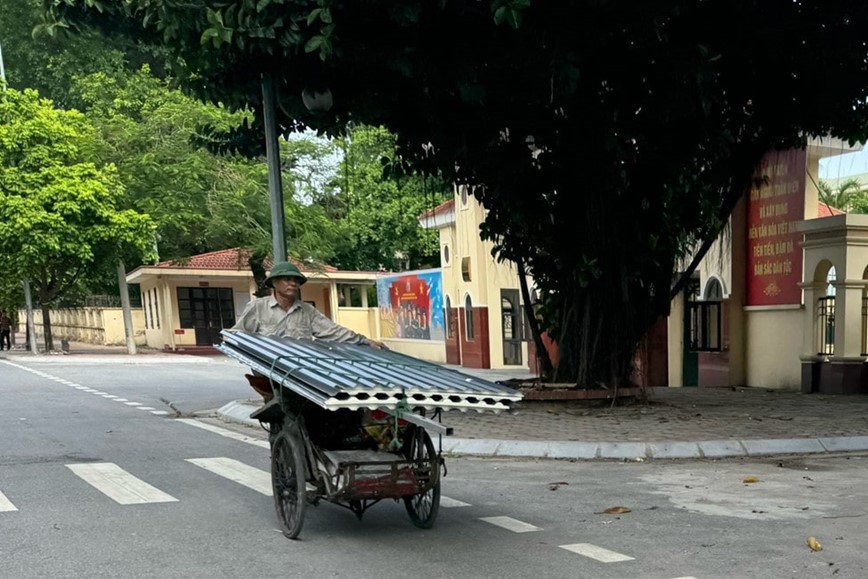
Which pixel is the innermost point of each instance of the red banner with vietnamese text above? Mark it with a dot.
(776, 203)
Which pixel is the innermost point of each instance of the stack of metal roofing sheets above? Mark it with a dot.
(335, 375)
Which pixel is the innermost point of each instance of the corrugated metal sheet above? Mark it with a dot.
(336, 375)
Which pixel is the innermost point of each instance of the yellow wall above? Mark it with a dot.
(422, 349)
(774, 342)
(675, 332)
(360, 320)
(91, 325)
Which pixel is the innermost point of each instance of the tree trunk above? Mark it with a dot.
(544, 361)
(46, 328)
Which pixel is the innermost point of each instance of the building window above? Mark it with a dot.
(468, 319)
(157, 308)
(826, 316)
(826, 325)
(713, 290)
(704, 326)
(205, 307)
(450, 328)
(464, 197)
(465, 268)
(445, 255)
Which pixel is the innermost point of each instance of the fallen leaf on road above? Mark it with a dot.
(750, 479)
(616, 510)
(814, 544)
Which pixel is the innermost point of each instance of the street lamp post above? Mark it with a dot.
(272, 158)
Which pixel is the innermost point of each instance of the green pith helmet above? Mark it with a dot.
(284, 269)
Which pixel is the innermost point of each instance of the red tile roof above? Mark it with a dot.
(826, 210)
(234, 259)
(444, 207)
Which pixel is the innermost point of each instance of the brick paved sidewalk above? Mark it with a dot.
(674, 414)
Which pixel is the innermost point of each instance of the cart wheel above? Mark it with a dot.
(423, 507)
(288, 482)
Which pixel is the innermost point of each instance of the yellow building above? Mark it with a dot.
(780, 300)
(482, 299)
(186, 303)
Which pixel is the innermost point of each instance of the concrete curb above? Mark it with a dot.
(239, 411)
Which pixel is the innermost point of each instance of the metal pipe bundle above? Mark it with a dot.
(335, 375)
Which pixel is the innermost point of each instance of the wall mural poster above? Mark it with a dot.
(411, 305)
(774, 257)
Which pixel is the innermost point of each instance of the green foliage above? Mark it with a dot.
(378, 214)
(49, 62)
(848, 195)
(606, 139)
(59, 218)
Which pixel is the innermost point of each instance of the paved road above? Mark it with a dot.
(95, 487)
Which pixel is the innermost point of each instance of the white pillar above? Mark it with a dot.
(848, 319)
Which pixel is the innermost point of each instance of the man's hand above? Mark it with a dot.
(377, 345)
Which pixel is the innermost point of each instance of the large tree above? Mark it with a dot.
(607, 139)
(59, 219)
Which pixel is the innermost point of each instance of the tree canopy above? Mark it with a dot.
(59, 218)
(606, 139)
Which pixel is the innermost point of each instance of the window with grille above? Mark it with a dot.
(826, 325)
(468, 319)
(704, 326)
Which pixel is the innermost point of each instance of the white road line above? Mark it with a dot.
(81, 387)
(120, 400)
(510, 524)
(6, 505)
(144, 408)
(448, 503)
(160, 412)
(252, 478)
(118, 484)
(109, 396)
(133, 403)
(598, 553)
(224, 432)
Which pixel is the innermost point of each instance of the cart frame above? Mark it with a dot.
(304, 474)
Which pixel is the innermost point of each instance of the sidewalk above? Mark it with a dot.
(673, 423)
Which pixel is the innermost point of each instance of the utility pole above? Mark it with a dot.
(272, 157)
(125, 305)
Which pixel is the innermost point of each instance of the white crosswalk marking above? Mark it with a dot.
(6, 505)
(597, 553)
(448, 503)
(224, 432)
(144, 407)
(511, 524)
(118, 484)
(253, 478)
(160, 412)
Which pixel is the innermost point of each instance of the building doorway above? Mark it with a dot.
(206, 310)
(510, 314)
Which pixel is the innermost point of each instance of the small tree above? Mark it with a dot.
(844, 196)
(58, 212)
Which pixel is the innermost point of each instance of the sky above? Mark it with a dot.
(844, 165)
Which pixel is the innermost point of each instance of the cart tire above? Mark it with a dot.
(288, 482)
(423, 507)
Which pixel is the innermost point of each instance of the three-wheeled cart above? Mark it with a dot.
(353, 425)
